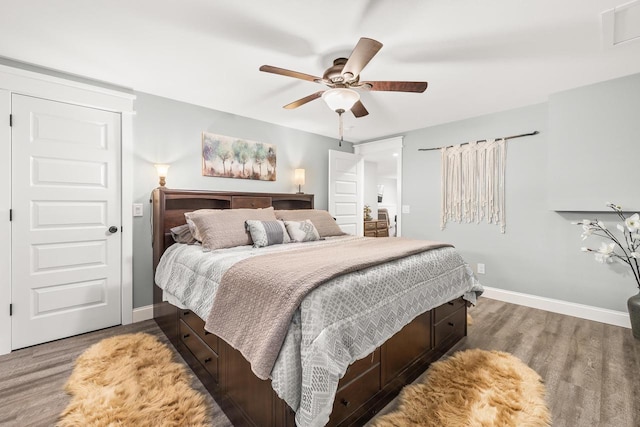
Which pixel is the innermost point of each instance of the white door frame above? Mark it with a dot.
(387, 144)
(15, 80)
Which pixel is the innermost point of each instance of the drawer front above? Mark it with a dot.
(238, 202)
(408, 344)
(197, 324)
(360, 366)
(200, 350)
(369, 225)
(383, 233)
(452, 326)
(370, 234)
(447, 308)
(355, 394)
(381, 224)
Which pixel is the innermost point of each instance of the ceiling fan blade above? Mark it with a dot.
(360, 57)
(358, 110)
(289, 73)
(302, 101)
(397, 86)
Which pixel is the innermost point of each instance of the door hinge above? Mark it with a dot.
(10, 214)
(10, 309)
(10, 120)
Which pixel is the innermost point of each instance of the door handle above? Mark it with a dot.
(113, 229)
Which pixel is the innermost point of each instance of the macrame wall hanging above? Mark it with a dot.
(473, 183)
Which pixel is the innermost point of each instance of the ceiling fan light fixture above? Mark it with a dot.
(340, 98)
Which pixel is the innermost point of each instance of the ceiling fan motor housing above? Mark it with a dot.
(334, 73)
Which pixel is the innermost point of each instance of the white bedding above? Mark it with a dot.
(336, 324)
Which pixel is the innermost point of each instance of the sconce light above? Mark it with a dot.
(298, 179)
(162, 173)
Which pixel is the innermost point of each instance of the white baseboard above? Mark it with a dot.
(143, 313)
(603, 315)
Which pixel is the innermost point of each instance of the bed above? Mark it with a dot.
(375, 370)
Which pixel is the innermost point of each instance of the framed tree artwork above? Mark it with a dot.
(230, 157)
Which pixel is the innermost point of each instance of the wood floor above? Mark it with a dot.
(591, 370)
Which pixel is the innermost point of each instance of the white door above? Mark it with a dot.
(66, 239)
(346, 177)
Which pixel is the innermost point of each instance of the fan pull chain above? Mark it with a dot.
(340, 127)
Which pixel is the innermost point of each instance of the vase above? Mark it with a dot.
(633, 304)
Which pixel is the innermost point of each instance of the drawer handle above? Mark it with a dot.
(450, 303)
(345, 402)
(207, 360)
(186, 336)
(184, 313)
(451, 324)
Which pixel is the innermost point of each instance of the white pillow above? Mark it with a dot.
(302, 231)
(267, 233)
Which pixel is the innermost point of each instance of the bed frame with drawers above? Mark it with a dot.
(368, 385)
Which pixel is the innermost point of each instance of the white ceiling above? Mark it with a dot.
(478, 56)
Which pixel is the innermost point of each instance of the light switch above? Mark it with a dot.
(138, 209)
(406, 209)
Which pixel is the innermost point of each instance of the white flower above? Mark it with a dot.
(633, 223)
(606, 248)
(603, 258)
(605, 252)
(587, 231)
(630, 245)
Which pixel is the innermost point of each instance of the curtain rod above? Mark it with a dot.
(535, 132)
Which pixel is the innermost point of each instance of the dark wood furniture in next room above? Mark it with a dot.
(367, 386)
(376, 228)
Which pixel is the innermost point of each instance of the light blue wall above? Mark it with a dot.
(169, 131)
(585, 124)
(540, 252)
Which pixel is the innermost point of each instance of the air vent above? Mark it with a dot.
(621, 24)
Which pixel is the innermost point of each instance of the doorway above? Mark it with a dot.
(382, 188)
(66, 143)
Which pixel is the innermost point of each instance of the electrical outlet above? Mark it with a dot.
(480, 268)
(406, 209)
(138, 209)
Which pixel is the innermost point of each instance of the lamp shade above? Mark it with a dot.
(162, 170)
(298, 177)
(340, 98)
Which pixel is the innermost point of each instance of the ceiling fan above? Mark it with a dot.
(343, 79)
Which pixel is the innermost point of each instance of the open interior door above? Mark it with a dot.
(346, 177)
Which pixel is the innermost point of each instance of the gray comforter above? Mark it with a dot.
(337, 323)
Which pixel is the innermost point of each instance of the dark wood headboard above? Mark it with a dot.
(170, 205)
